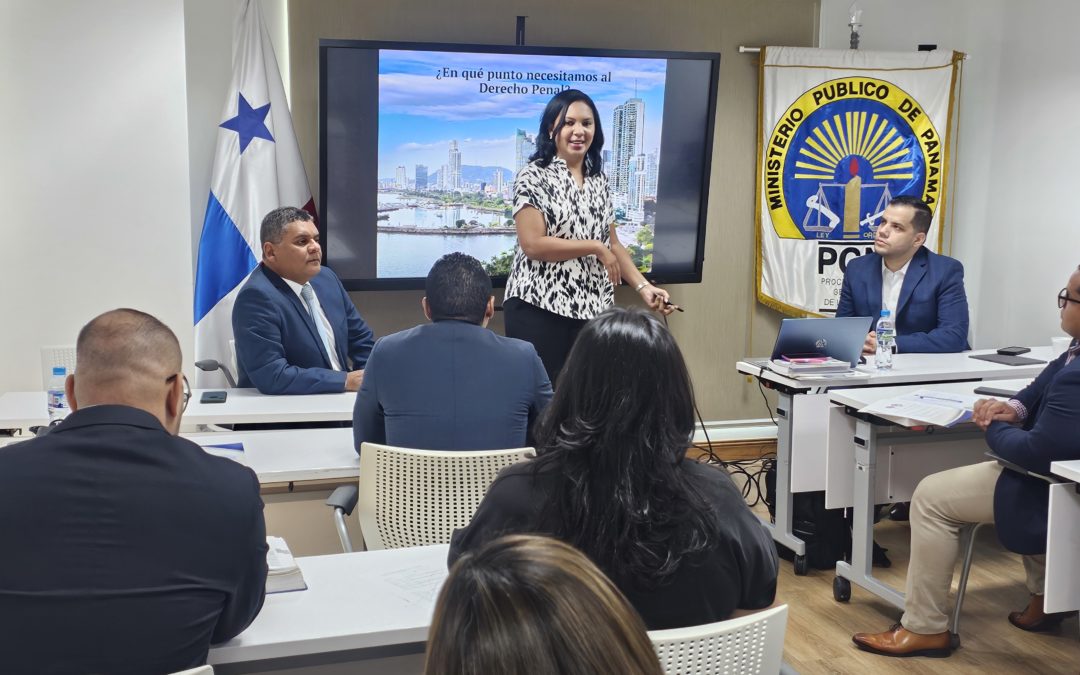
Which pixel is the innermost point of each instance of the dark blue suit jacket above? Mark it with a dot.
(1051, 433)
(126, 549)
(278, 349)
(450, 385)
(932, 312)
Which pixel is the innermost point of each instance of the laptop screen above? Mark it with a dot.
(841, 338)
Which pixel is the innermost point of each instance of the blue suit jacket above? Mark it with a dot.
(278, 349)
(450, 385)
(932, 312)
(1051, 433)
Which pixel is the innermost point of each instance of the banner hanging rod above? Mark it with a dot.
(743, 49)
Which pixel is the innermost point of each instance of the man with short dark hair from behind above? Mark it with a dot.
(296, 329)
(126, 548)
(924, 291)
(451, 384)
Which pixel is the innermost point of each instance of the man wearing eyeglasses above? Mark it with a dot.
(126, 548)
(1039, 426)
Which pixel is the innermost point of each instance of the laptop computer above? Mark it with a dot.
(841, 338)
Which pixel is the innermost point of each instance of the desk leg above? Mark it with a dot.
(781, 529)
(860, 570)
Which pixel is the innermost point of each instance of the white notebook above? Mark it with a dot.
(283, 572)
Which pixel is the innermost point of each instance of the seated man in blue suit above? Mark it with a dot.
(296, 330)
(127, 549)
(1048, 414)
(924, 291)
(451, 384)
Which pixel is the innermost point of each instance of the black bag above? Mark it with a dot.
(826, 532)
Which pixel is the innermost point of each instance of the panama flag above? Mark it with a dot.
(257, 168)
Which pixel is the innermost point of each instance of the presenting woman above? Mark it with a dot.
(569, 258)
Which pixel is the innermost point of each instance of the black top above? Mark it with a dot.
(125, 549)
(739, 572)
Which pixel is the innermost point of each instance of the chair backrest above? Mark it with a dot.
(56, 355)
(232, 360)
(747, 645)
(418, 497)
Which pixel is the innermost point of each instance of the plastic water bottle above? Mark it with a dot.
(58, 405)
(886, 338)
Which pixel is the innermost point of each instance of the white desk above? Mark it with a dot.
(802, 412)
(1062, 590)
(355, 604)
(946, 449)
(292, 455)
(297, 471)
(22, 409)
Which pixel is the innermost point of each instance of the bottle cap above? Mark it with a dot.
(59, 370)
(885, 312)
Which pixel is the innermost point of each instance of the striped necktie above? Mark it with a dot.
(308, 294)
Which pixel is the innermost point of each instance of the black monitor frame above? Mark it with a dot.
(414, 283)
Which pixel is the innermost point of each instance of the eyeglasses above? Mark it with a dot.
(187, 389)
(1063, 297)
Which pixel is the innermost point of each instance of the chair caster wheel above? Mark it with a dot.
(841, 589)
(801, 565)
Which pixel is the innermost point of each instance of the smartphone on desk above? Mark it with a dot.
(993, 391)
(213, 397)
(1013, 351)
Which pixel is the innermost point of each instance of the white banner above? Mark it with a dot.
(842, 132)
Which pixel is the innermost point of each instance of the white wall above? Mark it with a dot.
(1014, 227)
(93, 172)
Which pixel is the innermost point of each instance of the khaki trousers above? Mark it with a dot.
(942, 504)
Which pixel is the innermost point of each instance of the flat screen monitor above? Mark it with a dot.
(420, 143)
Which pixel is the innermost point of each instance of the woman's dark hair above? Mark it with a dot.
(552, 122)
(615, 435)
(528, 605)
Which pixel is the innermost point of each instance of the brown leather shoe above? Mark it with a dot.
(1033, 618)
(899, 641)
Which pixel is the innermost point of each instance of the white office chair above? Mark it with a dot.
(201, 670)
(232, 358)
(56, 355)
(748, 645)
(417, 497)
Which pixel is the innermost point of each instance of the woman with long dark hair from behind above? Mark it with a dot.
(523, 605)
(569, 258)
(612, 479)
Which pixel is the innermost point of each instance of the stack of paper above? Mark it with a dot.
(925, 406)
(284, 574)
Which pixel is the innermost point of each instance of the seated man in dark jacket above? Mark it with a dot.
(126, 548)
(451, 384)
(297, 331)
(1048, 411)
(923, 291)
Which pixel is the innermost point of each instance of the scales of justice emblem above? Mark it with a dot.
(832, 168)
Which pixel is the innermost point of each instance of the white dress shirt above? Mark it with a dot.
(891, 283)
(297, 288)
